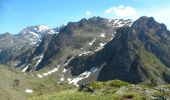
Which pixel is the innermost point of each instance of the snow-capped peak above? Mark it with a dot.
(42, 28)
(35, 33)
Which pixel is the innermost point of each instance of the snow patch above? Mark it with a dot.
(91, 43)
(62, 79)
(102, 35)
(25, 69)
(48, 72)
(68, 61)
(94, 69)
(51, 71)
(51, 32)
(64, 70)
(35, 29)
(43, 28)
(40, 76)
(109, 20)
(120, 24)
(12, 41)
(116, 21)
(85, 53)
(29, 91)
(34, 34)
(101, 46)
(69, 79)
(39, 59)
(82, 76)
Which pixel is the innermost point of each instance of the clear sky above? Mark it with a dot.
(18, 14)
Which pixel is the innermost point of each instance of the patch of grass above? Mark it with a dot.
(133, 95)
(149, 59)
(116, 83)
(108, 84)
(72, 94)
(152, 65)
(128, 96)
(48, 85)
(146, 85)
(95, 85)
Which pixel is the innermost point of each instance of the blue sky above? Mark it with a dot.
(17, 14)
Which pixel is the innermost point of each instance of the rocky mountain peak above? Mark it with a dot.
(37, 29)
(145, 23)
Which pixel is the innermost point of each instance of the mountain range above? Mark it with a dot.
(92, 49)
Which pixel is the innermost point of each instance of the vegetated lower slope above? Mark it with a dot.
(13, 84)
(110, 90)
(139, 53)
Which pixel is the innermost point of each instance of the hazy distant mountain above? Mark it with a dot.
(30, 37)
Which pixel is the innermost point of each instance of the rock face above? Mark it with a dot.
(139, 53)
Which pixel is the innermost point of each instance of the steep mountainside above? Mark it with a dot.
(78, 38)
(22, 45)
(75, 39)
(95, 49)
(139, 53)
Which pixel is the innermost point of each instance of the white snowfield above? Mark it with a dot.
(91, 43)
(82, 76)
(29, 91)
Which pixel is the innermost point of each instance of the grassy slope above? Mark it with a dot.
(71, 94)
(14, 83)
(111, 90)
(153, 66)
